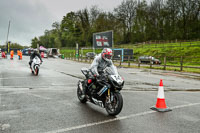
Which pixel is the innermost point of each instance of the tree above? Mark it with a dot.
(125, 13)
(34, 42)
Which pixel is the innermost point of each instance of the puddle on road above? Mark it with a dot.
(74, 76)
(140, 83)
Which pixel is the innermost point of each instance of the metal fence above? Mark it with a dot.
(163, 45)
(178, 63)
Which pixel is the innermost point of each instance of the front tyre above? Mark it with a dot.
(36, 71)
(115, 106)
(80, 94)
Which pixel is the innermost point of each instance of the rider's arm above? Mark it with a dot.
(32, 56)
(94, 66)
(39, 56)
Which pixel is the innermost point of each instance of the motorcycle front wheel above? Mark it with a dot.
(115, 106)
(36, 71)
(80, 94)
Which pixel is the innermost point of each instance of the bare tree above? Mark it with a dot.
(125, 13)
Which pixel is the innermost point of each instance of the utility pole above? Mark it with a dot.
(8, 32)
(8, 47)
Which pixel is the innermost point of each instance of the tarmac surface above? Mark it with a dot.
(47, 103)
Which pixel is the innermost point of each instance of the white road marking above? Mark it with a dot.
(116, 119)
(4, 126)
(39, 96)
(20, 92)
(29, 77)
(187, 105)
(9, 112)
(12, 88)
(0, 99)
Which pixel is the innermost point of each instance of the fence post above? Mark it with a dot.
(81, 58)
(120, 62)
(74, 57)
(181, 63)
(151, 62)
(129, 61)
(78, 58)
(165, 63)
(138, 63)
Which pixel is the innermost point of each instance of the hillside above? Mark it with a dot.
(173, 51)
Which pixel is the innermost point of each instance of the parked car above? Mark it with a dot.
(149, 59)
(53, 52)
(90, 55)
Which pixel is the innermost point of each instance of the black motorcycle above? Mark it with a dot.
(103, 91)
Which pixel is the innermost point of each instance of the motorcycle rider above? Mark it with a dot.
(33, 55)
(101, 61)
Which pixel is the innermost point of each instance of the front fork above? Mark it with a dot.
(110, 96)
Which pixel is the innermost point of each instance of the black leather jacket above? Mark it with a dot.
(35, 54)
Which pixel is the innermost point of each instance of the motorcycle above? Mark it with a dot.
(35, 65)
(103, 91)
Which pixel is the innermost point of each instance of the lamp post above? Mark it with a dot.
(8, 44)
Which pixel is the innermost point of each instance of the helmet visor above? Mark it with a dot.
(108, 56)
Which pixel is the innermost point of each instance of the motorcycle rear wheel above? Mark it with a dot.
(115, 107)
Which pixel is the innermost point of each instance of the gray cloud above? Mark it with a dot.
(30, 18)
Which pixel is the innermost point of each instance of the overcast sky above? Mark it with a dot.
(30, 18)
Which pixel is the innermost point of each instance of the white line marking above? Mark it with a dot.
(46, 98)
(186, 105)
(29, 77)
(12, 88)
(115, 119)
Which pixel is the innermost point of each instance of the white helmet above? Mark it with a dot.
(106, 54)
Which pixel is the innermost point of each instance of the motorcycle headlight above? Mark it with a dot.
(117, 80)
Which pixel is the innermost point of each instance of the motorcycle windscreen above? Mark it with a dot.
(111, 70)
(36, 60)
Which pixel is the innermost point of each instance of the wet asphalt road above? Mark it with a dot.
(47, 103)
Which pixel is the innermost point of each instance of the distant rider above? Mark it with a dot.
(33, 55)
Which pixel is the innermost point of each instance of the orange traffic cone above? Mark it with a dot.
(160, 104)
